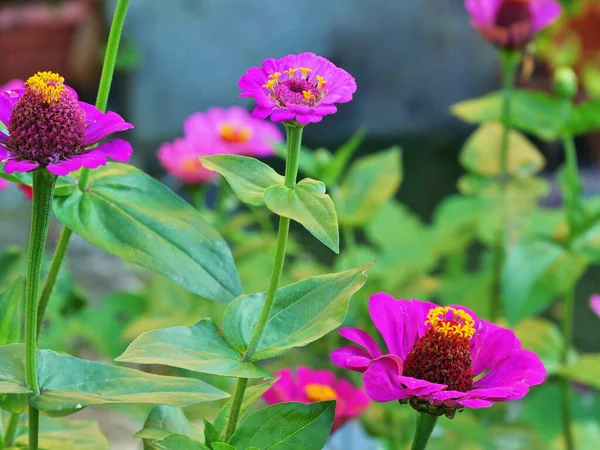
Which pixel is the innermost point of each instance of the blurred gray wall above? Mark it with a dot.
(411, 58)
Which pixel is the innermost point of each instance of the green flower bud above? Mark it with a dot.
(565, 82)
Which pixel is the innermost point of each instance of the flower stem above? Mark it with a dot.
(11, 430)
(34, 426)
(509, 61)
(424, 426)
(294, 140)
(43, 193)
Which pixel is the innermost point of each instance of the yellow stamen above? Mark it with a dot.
(308, 95)
(291, 72)
(231, 133)
(305, 71)
(319, 392)
(49, 85)
(270, 84)
(321, 81)
(275, 76)
(459, 324)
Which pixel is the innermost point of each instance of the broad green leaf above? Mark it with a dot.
(286, 426)
(370, 183)
(62, 434)
(133, 216)
(455, 222)
(586, 370)
(211, 434)
(223, 446)
(302, 313)
(481, 152)
(252, 394)
(68, 383)
(165, 420)
(535, 272)
(11, 300)
(308, 205)
(248, 177)
(585, 117)
(179, 442)
(341, 158)
(200, 348)
(534, 112)
(64, 185)
(543, 338)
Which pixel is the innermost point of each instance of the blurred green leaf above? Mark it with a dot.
(308, 162)
(456, 221)
(302, 313)
(586, 370)
(286, 426)
(179, 442)
(369, 184)
(200, 348)
(133, 216)
(308, 205)
(62, 434)
(248, 177)
(341, 158)
(543, 338)
(11, 300)
(223, 446)
(165, 420)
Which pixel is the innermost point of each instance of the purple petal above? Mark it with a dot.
(522, 366)
(100, 125)
(306, 376)
(5, 153)
(595, 304)
(482, 12)
(381, 380)
(91, 160)
(282, 115)
(284, 389)
(491, 348)
(261, 113)
(7, 102)
(475, 403)
(3, 137)
(363, 339)
(544, 13)
(119, 150)
(12, 165)
(351, 358)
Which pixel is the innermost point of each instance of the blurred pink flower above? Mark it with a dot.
(300, 87)
(12, 85)
(4, 184)
(181, 159)
(595, 304)
(307, 386)
(440, 358)
(512, 23)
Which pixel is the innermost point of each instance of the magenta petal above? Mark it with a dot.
(284, 389)
(595, 304)
(475, 403)
(544, 13)
(307, 376)
(12, 165)
(3, 137)
(282, 115)
(491, 348)
(482, 11)
(119, 150)
(521, 366)
(351, 358)
(261, 113)
(7, 102)
(363, 339)
(5, 153)
(381, 380)
(103, 125)
(91, 160)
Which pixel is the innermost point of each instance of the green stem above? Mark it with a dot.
(424, 426)
(43, 193)
(11, 430)
(236, 406)
(221, 202)
(574, 183)
(509, 61)
(294, 140)
(34, 426)
(57, 260)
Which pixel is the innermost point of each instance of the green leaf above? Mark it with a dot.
(223, 446)
(179, 442)
(211, 434)
(308, 205)
(534, 112)
(370, 183)
(287, 426)
(309, 164)
(536, 271)
(248, 177)
(585, 118)
(67, 383)
(165, 420)
(200, 348)
(586, 370)
(302, 313)
(11, 300)
(543, 338)
(252, 394)
(133, 216)
(61, 434)
(341, 158)
(481, 152)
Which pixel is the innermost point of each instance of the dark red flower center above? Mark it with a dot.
(443, 354)
(296, 86)
(47, 124)
(513, 12)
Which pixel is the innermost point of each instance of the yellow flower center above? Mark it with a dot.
(231, 133)
(451, 321)
(48, 85)
(319, 392)
(191, 164)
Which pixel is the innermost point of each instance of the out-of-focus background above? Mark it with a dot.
(411, 59)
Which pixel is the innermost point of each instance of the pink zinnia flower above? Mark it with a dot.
(308, 386)
(234, 131)
(303, 87)
(439, 358)
(512, 23)
(595, 304)
(49, 128)
(180, 158)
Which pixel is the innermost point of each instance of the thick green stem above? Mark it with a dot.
(510, 63)
(11, 430)
(43, 193)
(34, 426)
(424, 426)
(294, 140)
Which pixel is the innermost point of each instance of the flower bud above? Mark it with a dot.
(565, 82)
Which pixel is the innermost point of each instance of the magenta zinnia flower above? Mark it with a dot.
(49, 128)
(439, 359)
(303, 87)
(180, 158)
(595, 304)
(233, 131)
(307, 386)
(512, 23)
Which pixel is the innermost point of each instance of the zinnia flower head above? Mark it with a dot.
(302, 87)
(512, 23)
(49, 128)
(439, 359)
(234, 131)
(180, 158)
(308, 386)
(595, 304)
